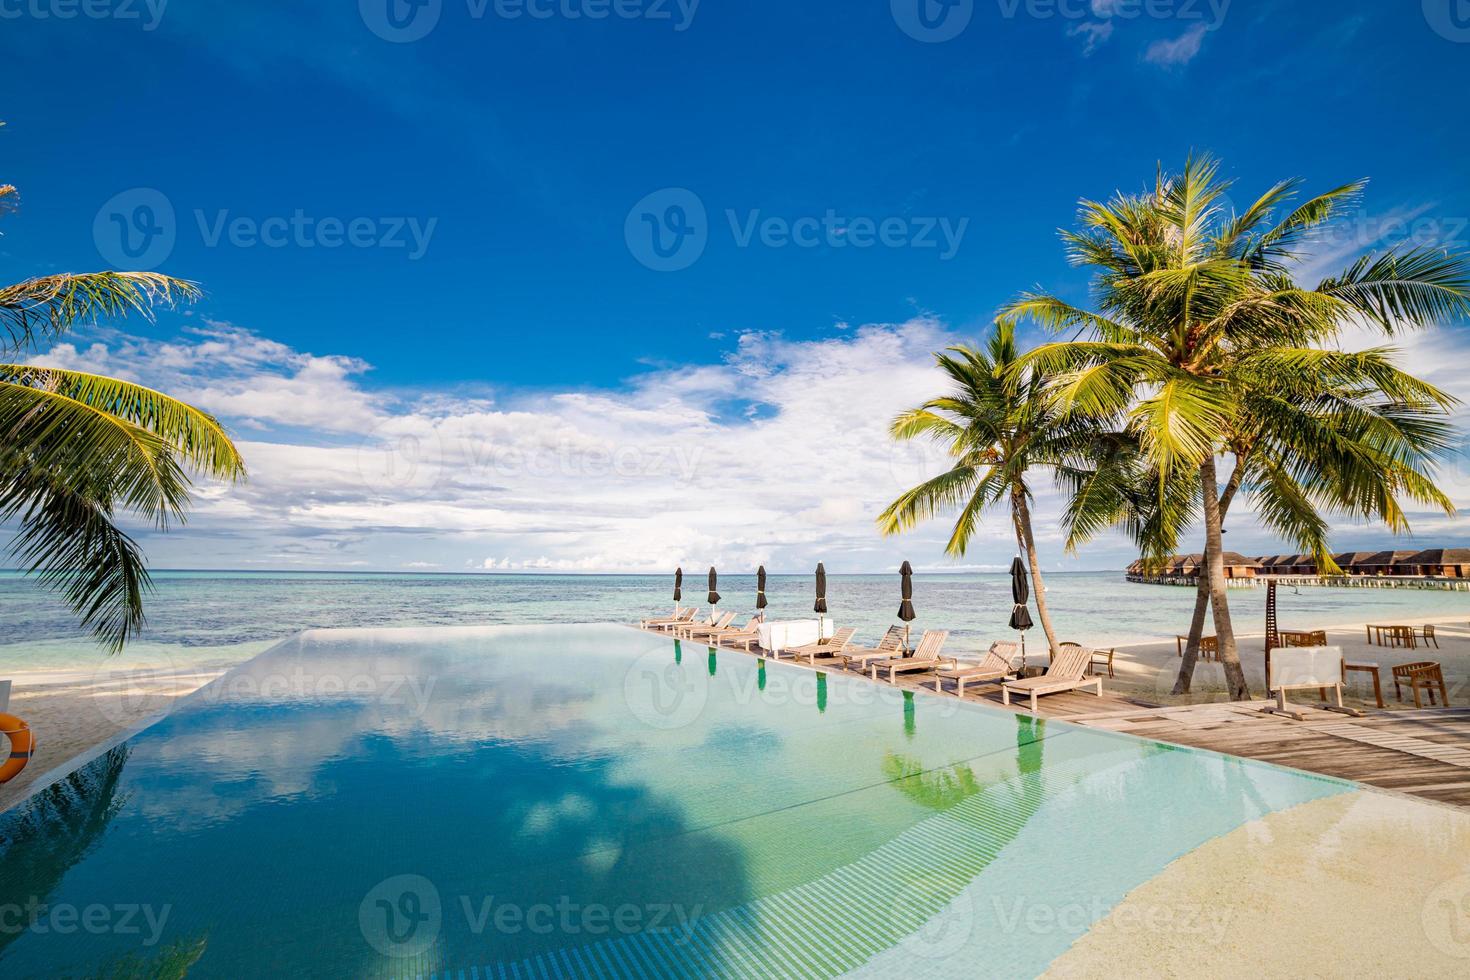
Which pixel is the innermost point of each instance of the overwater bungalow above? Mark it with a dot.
(1439, 562)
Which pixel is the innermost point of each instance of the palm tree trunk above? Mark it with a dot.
(1022, 516)
(1215, 569)
(1202, 592)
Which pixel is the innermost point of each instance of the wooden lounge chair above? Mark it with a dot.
(996, 666)
(1068, 672)
(669, 622)
(713, 635)
(743, 638)
(926, 657)
(891, 644)
(832, 646)
(706, 629)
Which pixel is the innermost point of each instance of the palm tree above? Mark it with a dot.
(1200, 325)
(997, 426)
(75, 448)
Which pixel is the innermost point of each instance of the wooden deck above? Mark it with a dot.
(1423, 753)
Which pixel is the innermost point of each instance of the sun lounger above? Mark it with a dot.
(926, 657)
(718, 635)
(1068, 672)
(681, 629)
(891, 643)
(743, 638)
(706, 629)
(995, 667)
(832, 646)
(665, 622)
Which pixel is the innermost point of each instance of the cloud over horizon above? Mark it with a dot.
(777, 454)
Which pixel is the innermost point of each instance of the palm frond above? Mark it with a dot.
(48, 306)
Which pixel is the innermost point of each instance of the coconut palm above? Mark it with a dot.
(998, 427)
(77, 448)
(1201, 330)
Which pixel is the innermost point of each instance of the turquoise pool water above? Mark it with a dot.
(589, 800)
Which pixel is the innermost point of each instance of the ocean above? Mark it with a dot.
(203, 617)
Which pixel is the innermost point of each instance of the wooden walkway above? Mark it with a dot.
(1423, 753)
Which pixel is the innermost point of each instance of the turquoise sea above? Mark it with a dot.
(198, 617)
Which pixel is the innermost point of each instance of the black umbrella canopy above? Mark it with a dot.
(678, 584)
(714, 596)
(1020, 587)
(906, 608)
(1021, 593)
(760, 587)
(821, 604)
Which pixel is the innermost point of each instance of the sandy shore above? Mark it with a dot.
(1148, 670)
(1364, 878)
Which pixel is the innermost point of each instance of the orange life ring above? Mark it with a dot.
(22, 746)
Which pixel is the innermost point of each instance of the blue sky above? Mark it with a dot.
(491, 173)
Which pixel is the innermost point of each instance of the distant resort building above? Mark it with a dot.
(1431, 568)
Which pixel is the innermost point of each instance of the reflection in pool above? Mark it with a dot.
(582, 800)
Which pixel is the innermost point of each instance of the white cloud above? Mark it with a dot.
(1177, 51)
(778, 454)
(1094, 32)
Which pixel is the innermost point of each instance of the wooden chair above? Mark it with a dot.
(1067, 673)
(1426, 633)
(832, 646)
(926, 657)
(891, 643)
(1423, 675)
(1102, 660)
(996, 666)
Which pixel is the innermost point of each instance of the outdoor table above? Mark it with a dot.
(1302, 638)
(1366, 668)
(1209, 647)
(1397, 635)
(793, 633)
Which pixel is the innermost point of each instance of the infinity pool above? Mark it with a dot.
(590, 800)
